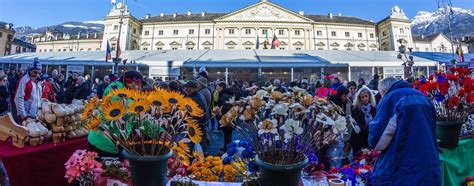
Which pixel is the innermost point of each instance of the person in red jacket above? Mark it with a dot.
(48, 90)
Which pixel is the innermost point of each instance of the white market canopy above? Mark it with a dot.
(225, 58)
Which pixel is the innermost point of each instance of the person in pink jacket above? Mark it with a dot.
(28, 93)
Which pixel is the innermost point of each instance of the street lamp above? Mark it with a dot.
(408, 61)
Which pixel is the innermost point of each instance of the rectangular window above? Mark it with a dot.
(282, 48)
(134, 31)
(190, 48)
(207, 31)
(40, 50)
(147, 33)
(320, 49)
(347, 34)
(427, 50)
(50, 50)
(298, 48)
(160, 32)
(174, 48)
(333, 33)
(191, 31)
(175, 32)
(371, 35)
(207, 48)
(359, 34)
(265, 31)
(116, 27)
(231, 31)
(384, 33)
(417, 49)
(89, 49)
(59, 50)
(297, 32)
(145, 48)
(281, 32)
(64, 50)
(159, 48)
(248, 48)
(319, 33)
(248, 31)
(230, 48)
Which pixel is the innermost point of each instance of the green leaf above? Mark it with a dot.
(152, 130)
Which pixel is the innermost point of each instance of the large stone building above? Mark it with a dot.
(6, 38)
(56, 41)
(436, 43)
(20, 46)
(260, 22)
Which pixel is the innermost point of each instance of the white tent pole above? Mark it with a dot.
(226, 75)
(292, 74)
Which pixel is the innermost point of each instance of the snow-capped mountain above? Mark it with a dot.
(427, 23)
(72, 28)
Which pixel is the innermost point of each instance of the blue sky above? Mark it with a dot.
(39, 13)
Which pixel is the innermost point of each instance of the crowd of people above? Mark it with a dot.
(23, 88)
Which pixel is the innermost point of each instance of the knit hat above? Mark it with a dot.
(304, 81)
(351, 84)
(202, 80)
(36, 65)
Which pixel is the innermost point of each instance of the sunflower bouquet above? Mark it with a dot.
(283, 127)
(146, 123)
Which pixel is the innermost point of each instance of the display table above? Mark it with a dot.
(40, 165)
(458, 163)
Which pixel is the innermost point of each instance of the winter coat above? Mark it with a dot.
(101, 88)
(374, 84)
(360, 140)
(60, 93)
(4, 95)
(48, 91)
(404, 131)
(82, 91)
(207, 96)
(70, 90)
(28, 97)
(201, 101)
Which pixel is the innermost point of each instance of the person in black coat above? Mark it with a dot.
(342, 100)
(82, 89)
(4, 94)
(363, 112)
(71, 87)
(101, 88)
(191, 91)
(225, 94)
(59, 84)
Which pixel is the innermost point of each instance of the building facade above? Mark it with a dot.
(20, 46)
(241, 29)
(436, 43)
(6, 38)
(55, 41)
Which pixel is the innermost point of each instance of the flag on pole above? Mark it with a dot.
(265, 43)
(117, 50)
(460, 54)
(275, 42)
(257, 46)
(108, 52)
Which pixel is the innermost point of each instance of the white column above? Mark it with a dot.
(222, 38)
(349, 73)
(92, 73)
(373, 71)
(113, 69)
(322, 73)
(240, 38)
(289, 38)
(292, 74)
(427, 71)
(226, 75)
(136, 68)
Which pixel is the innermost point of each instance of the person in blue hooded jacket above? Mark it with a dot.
(404, 131)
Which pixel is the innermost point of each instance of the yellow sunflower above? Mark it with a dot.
(122, 93)
(198, 156)
(140, 95)
(194, 132)
(156, 99)
(94, 123)
(192, 107)
(140, 106)
(114, 111)
(172, 97)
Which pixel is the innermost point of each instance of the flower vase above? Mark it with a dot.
(148, 170)
(448, 132)
(274, 175)
(86, 183)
